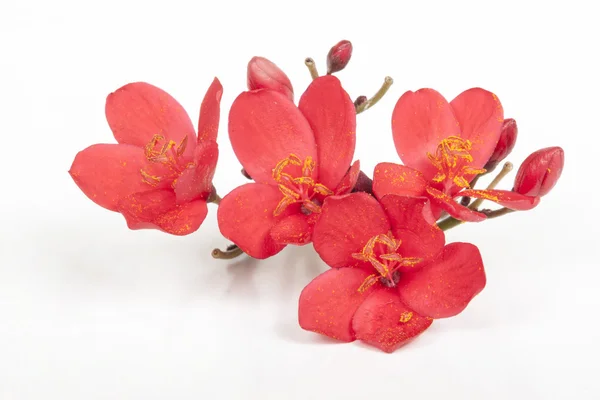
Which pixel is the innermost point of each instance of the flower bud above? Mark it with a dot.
(363, 184)
(263, 74)
(339, 56)
(506, 143)
(360, 100)
(540, 171)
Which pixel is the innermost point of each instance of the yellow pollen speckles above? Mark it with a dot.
(381, 251)
(484, 194)
(168, 154)
(405, 317)
(452, 158)
(299, 189)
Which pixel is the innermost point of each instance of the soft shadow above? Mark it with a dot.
(242, 271)
(302, 258)
(291, 332)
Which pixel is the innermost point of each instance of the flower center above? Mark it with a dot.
(297, 185)
(382, 252)
(169, 155)
(452, 158)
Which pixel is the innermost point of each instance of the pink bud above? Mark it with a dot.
(506, 143)
(263, 74)
(540, 171)
(339, 56)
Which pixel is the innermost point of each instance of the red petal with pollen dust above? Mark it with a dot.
(413, 223)
(383, 321)
(420, 121)
(265, 127)
(505, 198)
(107, 173)
(138, 111)
(195, 182)
(397, 179)
(210, 112)
(446, 203)
(295, 229)
(480, 116)
(246, 217)
(328, 303)
(157, 209)
(446, 286)
(345, 226)
(349, 180)
(332, 117)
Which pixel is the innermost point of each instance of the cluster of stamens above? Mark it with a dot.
(169, 153)
(301, 189)
(382, 252)
(452, 158)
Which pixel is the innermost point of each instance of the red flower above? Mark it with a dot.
(339, 56)
(296, 155)
(506, 143)
(160, 174)
(540, 171)
(391, 272)
(264, 74)
(444, 146)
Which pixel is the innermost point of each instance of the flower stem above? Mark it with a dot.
(214, 198)
(508, 166)
(232, 251)
(449, 223)
(498, 213)
(312, 68)
(388, 81)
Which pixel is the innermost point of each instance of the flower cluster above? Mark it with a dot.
(392, 272)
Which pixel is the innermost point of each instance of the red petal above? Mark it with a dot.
(138, 111)
(246, 217)
(210, 112)
(295, 229)
(480, 116)
(446, 203)
(157, 209)
(107, 173)
(397, 179)
(383, 321)
(264, 74)
(345, 226)
(349, 180)
(196, 181)
(445, 287)
(265, 127)
(332, 117)
(328, 303)
(420, 121)
(505, 198)
(183, 219)
(413, 223)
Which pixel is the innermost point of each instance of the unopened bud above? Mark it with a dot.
(246, 174)
(263, 74)
(339, 56)
(360, 100)
(363, 184)
(506, 143)
(540, 171)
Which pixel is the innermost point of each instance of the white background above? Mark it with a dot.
(90, 310)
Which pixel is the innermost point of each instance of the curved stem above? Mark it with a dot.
(508, 166)
(232, 251)
(387, 83)
(498, 213)
(312, 68)
(449, 223)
